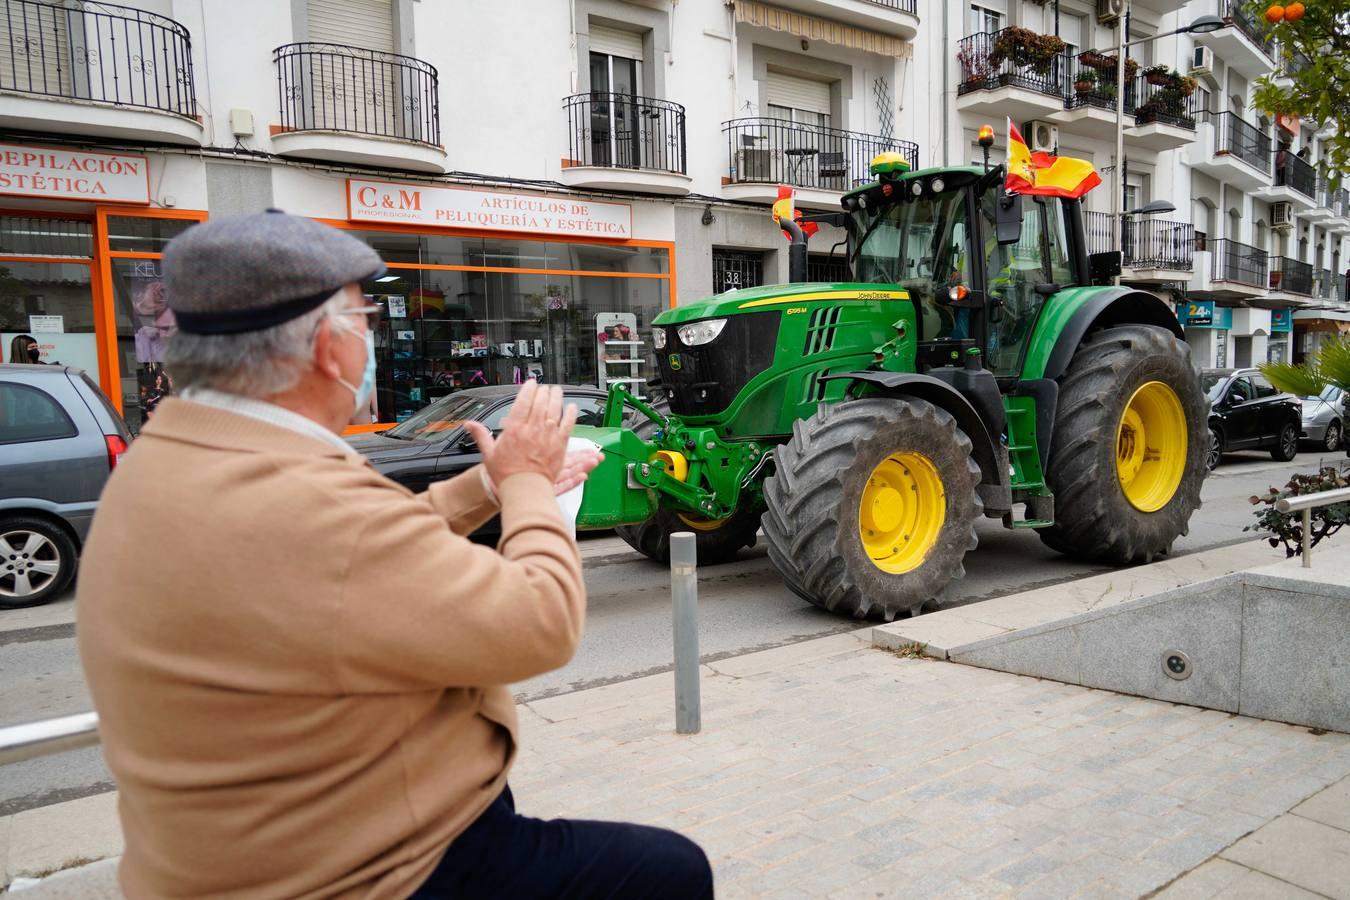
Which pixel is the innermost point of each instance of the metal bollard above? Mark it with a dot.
(684, 593)
(1307, 537)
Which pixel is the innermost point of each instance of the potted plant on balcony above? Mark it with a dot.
(1026, 49)
(1085, 81)
(1093, 59)
(976, 65)
(1157, 76)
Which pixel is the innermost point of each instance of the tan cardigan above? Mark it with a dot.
(300, 666)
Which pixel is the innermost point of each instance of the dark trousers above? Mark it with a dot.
(503, 854)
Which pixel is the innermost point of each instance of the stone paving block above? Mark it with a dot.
(1330, 806)
(1204, 882)
(1305, 853)
(1282, 632)
(50, 837)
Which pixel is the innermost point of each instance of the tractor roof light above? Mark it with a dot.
(916, 188)
(889, 163)
(986, 135)
(659, 338)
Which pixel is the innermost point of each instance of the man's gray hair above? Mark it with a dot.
(253, 364)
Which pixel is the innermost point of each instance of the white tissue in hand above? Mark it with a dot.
(570, 502)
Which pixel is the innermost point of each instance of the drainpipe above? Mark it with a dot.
(572, 13)
(735, 61)
(946, 52)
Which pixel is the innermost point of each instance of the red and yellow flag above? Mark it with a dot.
(1044, 175)
(786, 208)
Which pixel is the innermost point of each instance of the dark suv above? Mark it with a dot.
(1247, 412)
(59, 439)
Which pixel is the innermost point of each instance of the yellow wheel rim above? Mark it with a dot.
(1151, 447)
(698, 523)
(901, 512)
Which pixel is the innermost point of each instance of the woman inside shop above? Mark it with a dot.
(24, 349)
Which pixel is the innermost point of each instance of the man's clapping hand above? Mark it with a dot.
(534, 439)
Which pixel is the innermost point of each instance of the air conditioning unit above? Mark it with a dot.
(754, 164)
(1202, 60)
(1110, 11)
(1282, 215)
(1042, 136)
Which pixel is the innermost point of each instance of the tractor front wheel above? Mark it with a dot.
(872, 506)
(1130, 449)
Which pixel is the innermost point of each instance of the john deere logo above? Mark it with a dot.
(675, 363)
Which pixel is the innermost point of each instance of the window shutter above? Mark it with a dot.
(798, 93)
(615, 42)
(353, 23)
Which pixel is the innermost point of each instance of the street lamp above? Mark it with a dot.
(1154, 208)
(1202, 25)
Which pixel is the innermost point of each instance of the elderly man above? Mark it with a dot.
(300, 667)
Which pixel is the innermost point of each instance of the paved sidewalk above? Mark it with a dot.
(835, 768)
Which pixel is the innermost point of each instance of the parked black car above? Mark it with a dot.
(1248, 413)
(59, 440)
(433, 445)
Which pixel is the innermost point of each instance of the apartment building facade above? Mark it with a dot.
(543, 176)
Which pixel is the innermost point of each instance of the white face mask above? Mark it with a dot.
(361, 393)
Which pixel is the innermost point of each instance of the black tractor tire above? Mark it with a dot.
(715, 545)
(811, 524)
(1093, 518)
(1286, 443)
(37, 576)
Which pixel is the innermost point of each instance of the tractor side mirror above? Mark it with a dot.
(1008, 218)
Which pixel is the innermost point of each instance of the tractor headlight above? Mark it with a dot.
(659, 338)
(938, 185)
(697, 333)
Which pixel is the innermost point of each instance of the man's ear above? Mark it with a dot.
(325, 357)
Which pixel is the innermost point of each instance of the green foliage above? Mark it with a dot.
(1026, 48)
(1331, 365)
(1287, 528)
(1320, 90)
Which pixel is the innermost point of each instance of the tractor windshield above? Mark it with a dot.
(921, 245)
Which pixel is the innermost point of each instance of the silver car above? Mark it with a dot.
(1324, 418)
(59, 439)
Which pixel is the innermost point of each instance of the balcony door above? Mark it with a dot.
(350, 74)
(812, 155)
(616, 88)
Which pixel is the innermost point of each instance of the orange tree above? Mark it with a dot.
(1320, 31)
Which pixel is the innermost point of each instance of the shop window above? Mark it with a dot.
(735, 269)
(41, 236)
(28, 414)
(143, 234)
(53, 302)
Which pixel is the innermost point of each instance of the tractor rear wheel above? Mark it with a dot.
(718, 540)
(1130, 447)
(872, 506)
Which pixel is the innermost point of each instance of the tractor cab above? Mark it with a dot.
(977, 264)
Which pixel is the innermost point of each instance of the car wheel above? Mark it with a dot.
(1286, 448)
(1332, 439)
(37, 562)
(1215, 453)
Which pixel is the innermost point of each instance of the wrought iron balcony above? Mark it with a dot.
(1234, 261)
(1290, 276)
(1147, 243)
(988, 61)
(1237, 137)
(625, 132)
(1296, 173)
(776, 151)
(99, 52)
(905, 6)
(1232, 11)
(1324, 284)
(331, 87)
(1162, 102)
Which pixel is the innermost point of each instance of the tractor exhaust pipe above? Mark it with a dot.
(796, 250)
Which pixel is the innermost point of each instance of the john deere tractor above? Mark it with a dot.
(979, 364)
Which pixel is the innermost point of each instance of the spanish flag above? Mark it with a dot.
(1044, 175)
(786, 208)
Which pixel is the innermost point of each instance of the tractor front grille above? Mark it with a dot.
(704, 380)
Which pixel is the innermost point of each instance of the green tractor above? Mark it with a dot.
(979, 364)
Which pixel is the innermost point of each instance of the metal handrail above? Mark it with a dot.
(1306, 503)
(762, 149)
(47, 736)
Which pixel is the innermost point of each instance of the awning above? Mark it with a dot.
(1329, 325)
(753, 12)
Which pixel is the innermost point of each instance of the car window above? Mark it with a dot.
(590, 410)
(1263, 387)
(28, 414)
(103, 401)
(439, 420)
(494, 417)
(1241, 390)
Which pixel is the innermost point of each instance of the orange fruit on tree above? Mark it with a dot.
(1293, 12)
(1274, 13)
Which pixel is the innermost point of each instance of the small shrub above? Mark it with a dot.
(1287, 528)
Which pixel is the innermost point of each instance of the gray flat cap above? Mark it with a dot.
(247, 273)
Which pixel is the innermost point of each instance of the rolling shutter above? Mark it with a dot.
(798, 93)
(353, 23)
(614, 42)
